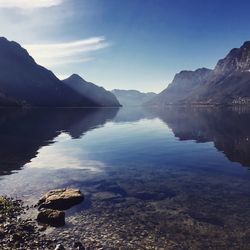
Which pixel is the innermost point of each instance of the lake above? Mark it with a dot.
(171, 178)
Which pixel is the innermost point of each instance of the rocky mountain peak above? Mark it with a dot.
(75, 77)
(96, 93)
(237, 60)
(246, 44)
(13, 50)
(187, 76)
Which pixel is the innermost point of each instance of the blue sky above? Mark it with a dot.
(126, 44)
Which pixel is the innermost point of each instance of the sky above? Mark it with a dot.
(126, 44)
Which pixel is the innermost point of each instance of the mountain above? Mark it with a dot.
(228, 83)
(238, 59)
(96, 94)
(132, 97)
(183, 85)
(23, 79)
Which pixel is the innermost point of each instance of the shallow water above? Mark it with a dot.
(171, 178)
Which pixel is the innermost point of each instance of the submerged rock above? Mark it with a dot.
(61, 199)
(51, 217)
(59, 247)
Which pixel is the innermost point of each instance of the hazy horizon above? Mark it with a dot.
(133, 44)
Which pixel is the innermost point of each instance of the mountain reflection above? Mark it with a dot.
(133, 114)
(227, 128)
(24, 132)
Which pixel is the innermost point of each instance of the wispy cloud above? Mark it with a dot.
(28, 4)
(66, 53)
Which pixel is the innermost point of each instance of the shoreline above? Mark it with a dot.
(17, 232)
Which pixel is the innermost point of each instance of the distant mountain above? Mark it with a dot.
(24, 80)
(228, 83)
(183, 85)
(132, 97)
(97, 94)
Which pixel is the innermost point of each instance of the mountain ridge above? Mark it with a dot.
(132, 97)
(96, 93)
(24, 80)
(228, 83)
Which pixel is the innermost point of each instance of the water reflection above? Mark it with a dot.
(24, 132)
(134, 114)
(227, 128)
(154, 178)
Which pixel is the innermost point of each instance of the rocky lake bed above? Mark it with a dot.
(122, 216)
(18, 230)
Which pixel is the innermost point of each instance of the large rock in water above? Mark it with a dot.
(51, 217)
(61, 199)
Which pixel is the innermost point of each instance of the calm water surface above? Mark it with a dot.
(176, 178)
